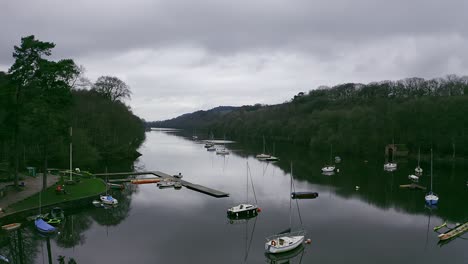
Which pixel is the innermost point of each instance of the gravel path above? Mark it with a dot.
(32, 186)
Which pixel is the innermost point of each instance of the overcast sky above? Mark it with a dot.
(183, 56)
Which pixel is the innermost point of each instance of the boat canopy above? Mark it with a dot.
(43, 226)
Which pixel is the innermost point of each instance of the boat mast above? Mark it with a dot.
(290, 201)
(263, 144)
(71, 152)
(431, 170)
(247, 181)
(419, 155)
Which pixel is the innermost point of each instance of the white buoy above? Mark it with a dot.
(337, 170)
(357, 187)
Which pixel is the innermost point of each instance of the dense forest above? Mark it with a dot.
(354, 118)
(46, 105)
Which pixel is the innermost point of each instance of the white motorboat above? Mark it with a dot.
(108, 199)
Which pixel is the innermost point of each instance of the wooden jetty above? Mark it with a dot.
(413, 186)
(454, 232)
(162, 175)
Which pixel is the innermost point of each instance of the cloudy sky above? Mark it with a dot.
(183, 56)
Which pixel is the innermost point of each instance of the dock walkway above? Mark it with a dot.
(189, 185)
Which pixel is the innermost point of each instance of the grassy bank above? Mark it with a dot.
(83, 189)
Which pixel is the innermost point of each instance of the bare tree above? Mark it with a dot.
(112, 88)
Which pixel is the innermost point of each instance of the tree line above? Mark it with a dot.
(355, 118)
(45, 105)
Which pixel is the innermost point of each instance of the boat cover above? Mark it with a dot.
(42, 226)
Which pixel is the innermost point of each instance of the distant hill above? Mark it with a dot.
(354, 118)
(198, 119)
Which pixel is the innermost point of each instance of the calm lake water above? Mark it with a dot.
(379, 223)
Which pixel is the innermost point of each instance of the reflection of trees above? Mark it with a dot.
(72, 231)
(20, 246)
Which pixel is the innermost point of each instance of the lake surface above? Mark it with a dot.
(379, 223)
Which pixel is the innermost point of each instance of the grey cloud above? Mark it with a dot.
(177, 56)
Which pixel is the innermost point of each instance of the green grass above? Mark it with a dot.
(85, 188)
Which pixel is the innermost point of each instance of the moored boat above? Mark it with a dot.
(44, 227)
(454, 232)
(242, 210)
(304, 195)
(108, 199)
(12, 226)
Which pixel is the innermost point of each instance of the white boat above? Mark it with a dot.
(222, 151)
(413, 177)
(244, 209)
(272, 158)
(431, 198)
(329, 168)
(263, 156)
(165, 184)
(286, 240)
(108, 199)
(391, 166)
(212, 148)
(418, 170)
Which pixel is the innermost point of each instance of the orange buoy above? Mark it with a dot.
(308, 241)
(259, 210)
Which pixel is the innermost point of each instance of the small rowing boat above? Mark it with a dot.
(11, 227)
(454, 232)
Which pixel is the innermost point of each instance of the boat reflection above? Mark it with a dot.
(286, 257)
(240, 219)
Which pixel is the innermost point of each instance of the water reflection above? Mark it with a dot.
(169, 226)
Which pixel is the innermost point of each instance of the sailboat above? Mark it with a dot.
(223, 151)
(418, 170)
(272, 157)
(391, 166)
(41, 225)
(431, 198)
(286, 240)
(329, 168)
(245, 209)
(263, 155)
(108, 199)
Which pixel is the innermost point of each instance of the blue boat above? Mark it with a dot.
(44, 227)
(4, 259)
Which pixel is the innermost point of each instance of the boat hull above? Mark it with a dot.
(243, 213)
(304, 195)
(11, 227)
(276, 247)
